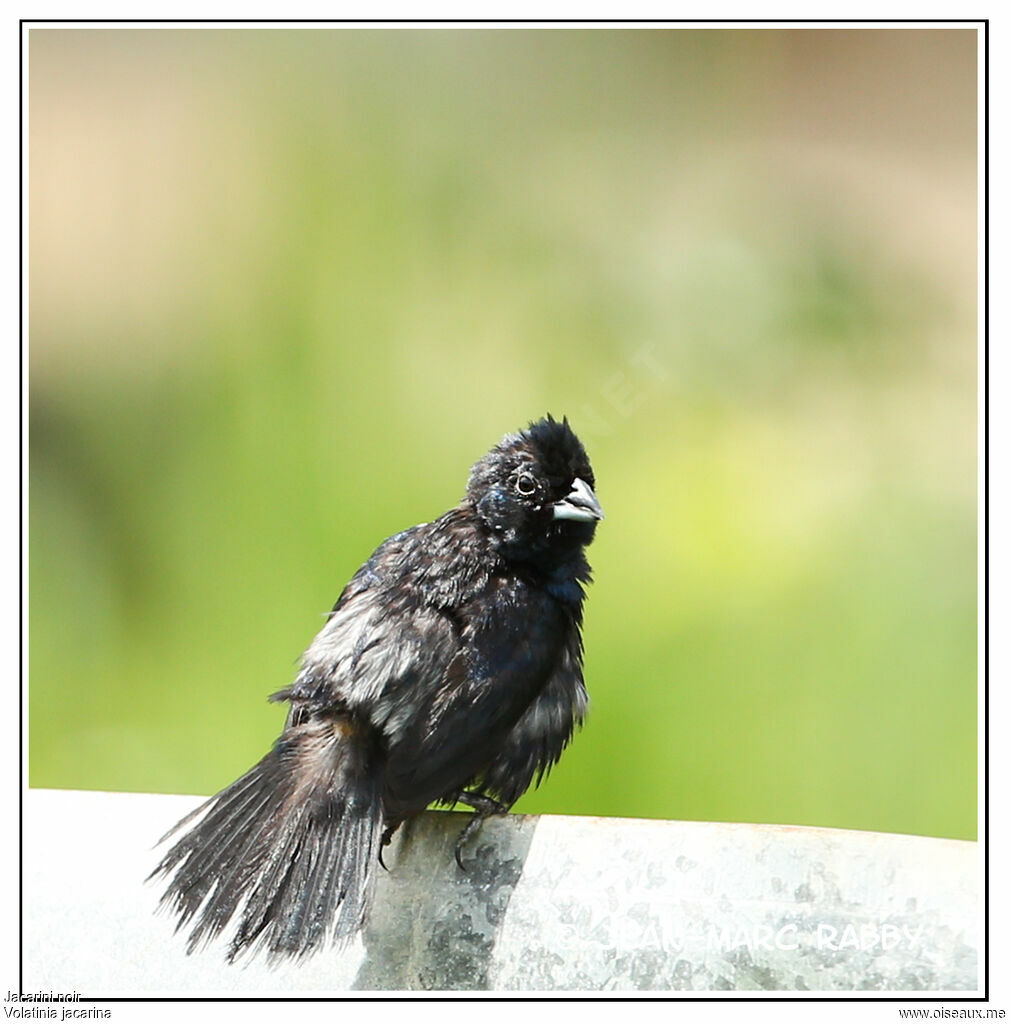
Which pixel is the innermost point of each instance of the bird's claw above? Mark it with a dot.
(384, 842)
(484, 807)
(472, 826)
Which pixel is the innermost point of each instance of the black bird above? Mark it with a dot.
(450, 670)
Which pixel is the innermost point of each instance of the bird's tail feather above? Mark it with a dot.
(290, 846)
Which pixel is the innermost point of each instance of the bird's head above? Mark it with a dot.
(534, 491)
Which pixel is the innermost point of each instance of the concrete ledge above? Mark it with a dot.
(547, 904)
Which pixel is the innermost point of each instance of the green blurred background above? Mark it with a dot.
(286, 286)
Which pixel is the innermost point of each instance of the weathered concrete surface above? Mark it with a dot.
(547, 903)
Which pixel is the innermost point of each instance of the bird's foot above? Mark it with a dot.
(385, 841)
(484, 807)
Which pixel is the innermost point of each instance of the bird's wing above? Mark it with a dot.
(380, 638)
(509, 646)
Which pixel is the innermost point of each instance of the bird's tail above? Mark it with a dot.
(291, 846)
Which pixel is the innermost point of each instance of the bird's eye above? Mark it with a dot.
(526, 484)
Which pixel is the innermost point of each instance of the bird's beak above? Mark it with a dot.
(580, 504)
